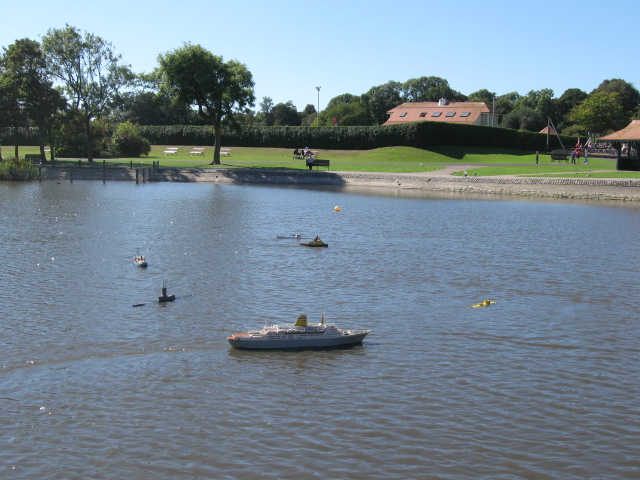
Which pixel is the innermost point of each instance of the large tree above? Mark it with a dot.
(147, 105)
(600, 113)
(379, 100)
(90, 71)
(285, 114)
(629, 96)
(218, 89)
(483, 95)
(25, 70)
(345, 114)
(12, 111)
(264, 115)
(525, 118)
(430, 89)
(571, 98)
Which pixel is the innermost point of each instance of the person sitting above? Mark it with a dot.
(297, 153)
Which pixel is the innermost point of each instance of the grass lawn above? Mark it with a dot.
(487, 162)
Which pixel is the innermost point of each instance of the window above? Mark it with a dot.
(450, 114)
(403, 114)
(423, 114)
(436, 114)
(465, 114)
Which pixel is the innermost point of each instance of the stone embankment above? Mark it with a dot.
(442, 181)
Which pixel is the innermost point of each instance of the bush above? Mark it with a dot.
(17, 169)
(127, 141)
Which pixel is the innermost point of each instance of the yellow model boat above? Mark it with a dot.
(486, 303)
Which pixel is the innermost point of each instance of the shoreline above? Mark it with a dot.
(578, 188)
(440, 181)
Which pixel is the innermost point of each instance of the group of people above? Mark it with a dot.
(577, 152)
(302, 153)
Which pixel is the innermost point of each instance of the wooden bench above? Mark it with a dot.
(317, 163)
(560, 155)
(171, 151)
(225, 152)
(197, 151)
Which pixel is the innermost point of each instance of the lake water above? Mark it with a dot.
(543, 384)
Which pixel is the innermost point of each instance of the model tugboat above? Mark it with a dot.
(316, 242)
(139, 260)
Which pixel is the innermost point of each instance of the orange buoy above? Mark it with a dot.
(336, 209)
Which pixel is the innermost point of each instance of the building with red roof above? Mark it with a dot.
(471, 113)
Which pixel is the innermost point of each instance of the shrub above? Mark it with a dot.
(17, 169)
(127, 141)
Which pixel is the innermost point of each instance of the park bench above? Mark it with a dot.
(171, 151)
(225, 152)
(197, 151)
(317, 163)
(559, 156)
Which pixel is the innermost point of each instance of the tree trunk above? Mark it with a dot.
(50, 136)
(217, 129)
(89, 139)
(41, 138)
(15, 135)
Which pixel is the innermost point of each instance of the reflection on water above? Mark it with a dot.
(541, 384)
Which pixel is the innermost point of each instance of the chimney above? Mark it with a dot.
(443, 101)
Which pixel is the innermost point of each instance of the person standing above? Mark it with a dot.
(537, 157)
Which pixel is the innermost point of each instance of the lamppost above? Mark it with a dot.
(318, 116)
(493, 118)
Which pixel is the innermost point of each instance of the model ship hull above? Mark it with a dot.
(297, 340)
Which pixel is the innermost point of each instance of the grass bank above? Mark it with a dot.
(483, 161)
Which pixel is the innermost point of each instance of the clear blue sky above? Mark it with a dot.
(349, 46)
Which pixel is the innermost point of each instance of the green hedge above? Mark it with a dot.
(420, 135)
(423, 135)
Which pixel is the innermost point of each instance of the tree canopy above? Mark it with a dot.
(90, 71)
(600, 113)
(77, 90)
(218, 89)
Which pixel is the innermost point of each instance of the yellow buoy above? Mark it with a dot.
(336, 208)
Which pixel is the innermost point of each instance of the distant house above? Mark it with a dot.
(473, 113)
